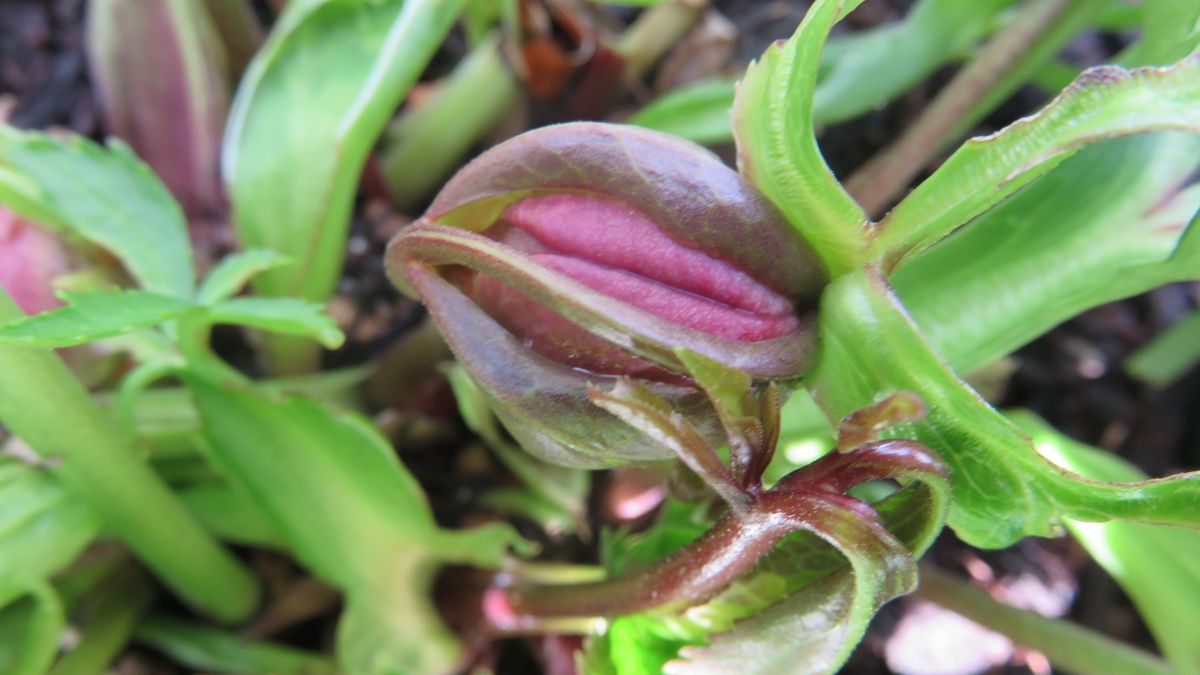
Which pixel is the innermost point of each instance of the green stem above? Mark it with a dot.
(884, 177)
(120, 601)
(1077, 16)
(427, 142)
(1067, 645)
(41, 402)
(656, 31)
(43, 632)
(1170, 355)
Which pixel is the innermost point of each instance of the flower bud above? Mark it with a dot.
(31, 258)
(593, 251)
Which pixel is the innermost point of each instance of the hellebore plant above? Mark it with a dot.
(595, 280)
(786, 365)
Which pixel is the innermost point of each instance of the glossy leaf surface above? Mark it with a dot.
(323, 87)
(1104, 102)
(1003, 490)
(1103, 225)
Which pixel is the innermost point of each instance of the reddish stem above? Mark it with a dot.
(689, 576)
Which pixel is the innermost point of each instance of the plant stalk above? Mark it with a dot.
(41, 402)
(655, 32)
(691, 575)
(119, 603)
(426, 143)
(1067, 645)
(877, 183)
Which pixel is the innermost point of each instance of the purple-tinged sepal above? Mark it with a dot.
(587, 252)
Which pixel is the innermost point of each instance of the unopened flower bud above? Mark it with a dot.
(592, 251)
(31, 258)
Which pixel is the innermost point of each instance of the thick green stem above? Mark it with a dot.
(427, 142)
(878, 182)
(41, 402)
(1067, 645)
(656, 31)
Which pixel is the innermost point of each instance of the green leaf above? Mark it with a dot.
(1170, 30)
(108, 197)
(813, 631)
(1002, 489)
(229, 513)
(862, 71)
(1170, 355)
(1102, 103)
(98, 463)
(22, 196)
(235, 271)
(30, 632)
(1158, 567)
(859, 72)
(350, 512)
(204, 648)
(1103, 225)
(777, 146)
(43, 528)
(290, 316)
(697, 112)
(323, 87)
(91, 316)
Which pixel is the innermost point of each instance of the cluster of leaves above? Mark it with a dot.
(1013, 234)
(918, 296)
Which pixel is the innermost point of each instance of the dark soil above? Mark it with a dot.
(1071, 376)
